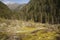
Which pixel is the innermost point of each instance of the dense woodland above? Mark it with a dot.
(43, 11)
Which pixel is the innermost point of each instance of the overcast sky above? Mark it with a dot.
(15, 1)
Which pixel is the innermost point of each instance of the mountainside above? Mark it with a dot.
(44, 11)
(13, 6)
(5, 12)
(20, 7)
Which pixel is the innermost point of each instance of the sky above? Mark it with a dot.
(15, 1)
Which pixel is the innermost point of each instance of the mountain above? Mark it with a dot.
(43, 11)
(20, 6)
(14, 6)
(5, 12)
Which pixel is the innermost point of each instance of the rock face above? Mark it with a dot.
(5, 12)
(44, 11)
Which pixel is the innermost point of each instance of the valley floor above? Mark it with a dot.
(22, 30)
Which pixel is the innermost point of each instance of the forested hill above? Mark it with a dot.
(5, 12)
(44, 11)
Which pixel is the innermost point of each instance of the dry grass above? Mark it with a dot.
(27, 30)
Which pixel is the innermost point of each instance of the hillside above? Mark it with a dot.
(43, 11)
(5, 12)
(13, 6)
(20, 7)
